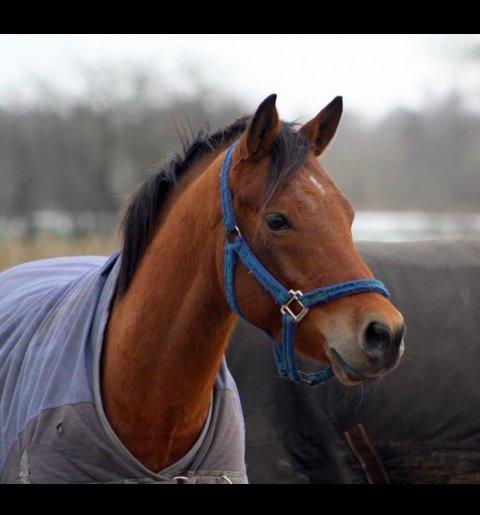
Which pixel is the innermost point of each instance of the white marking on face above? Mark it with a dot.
(317, 184)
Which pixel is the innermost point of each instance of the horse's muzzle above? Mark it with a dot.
(380, 351)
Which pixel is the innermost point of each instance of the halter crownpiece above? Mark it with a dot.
(294, 304)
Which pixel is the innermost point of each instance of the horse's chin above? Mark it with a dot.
(345, 373)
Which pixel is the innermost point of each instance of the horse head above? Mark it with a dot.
(298, 224)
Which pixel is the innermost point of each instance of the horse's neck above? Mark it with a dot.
(166, 337)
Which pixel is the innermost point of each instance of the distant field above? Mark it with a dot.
(53, 237)
(14, 251)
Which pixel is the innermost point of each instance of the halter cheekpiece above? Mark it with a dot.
(294, 304)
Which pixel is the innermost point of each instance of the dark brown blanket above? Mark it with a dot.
(421, 423)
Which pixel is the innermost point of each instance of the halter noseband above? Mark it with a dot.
(294, 304)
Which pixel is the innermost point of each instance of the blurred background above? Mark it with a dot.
(84, 118)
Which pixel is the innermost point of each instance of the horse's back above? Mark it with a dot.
(34, 288)
(41, 276)
(43, 305)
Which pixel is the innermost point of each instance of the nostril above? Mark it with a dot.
(377, 336)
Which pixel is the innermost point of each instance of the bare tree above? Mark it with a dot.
(83, 154)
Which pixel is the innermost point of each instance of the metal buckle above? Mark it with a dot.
(295, 294)
(233, 234)
(304, 377)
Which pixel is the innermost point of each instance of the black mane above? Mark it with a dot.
(141, 214)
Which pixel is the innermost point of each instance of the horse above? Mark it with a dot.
(113, 370)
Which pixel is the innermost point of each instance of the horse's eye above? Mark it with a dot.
(277, 222)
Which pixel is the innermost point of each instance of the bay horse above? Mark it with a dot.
(113, 370)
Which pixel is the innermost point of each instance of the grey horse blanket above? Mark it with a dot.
(52, 425)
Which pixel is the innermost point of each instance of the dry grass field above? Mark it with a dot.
(14, 251)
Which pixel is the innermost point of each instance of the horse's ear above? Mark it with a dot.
(263, 128)
(321, 129)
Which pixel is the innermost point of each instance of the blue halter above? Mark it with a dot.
(294, 305)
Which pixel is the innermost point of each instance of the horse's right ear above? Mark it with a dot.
(321, 129)
(263, 129)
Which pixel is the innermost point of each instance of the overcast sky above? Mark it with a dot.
(373, 72)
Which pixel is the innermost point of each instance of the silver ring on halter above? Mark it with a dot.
(233, 234)
(295, 294)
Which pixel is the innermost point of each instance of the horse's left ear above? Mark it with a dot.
(321, 129)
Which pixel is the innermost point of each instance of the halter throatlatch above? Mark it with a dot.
(294, 304)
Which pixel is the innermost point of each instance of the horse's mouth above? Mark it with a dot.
(342, 368)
